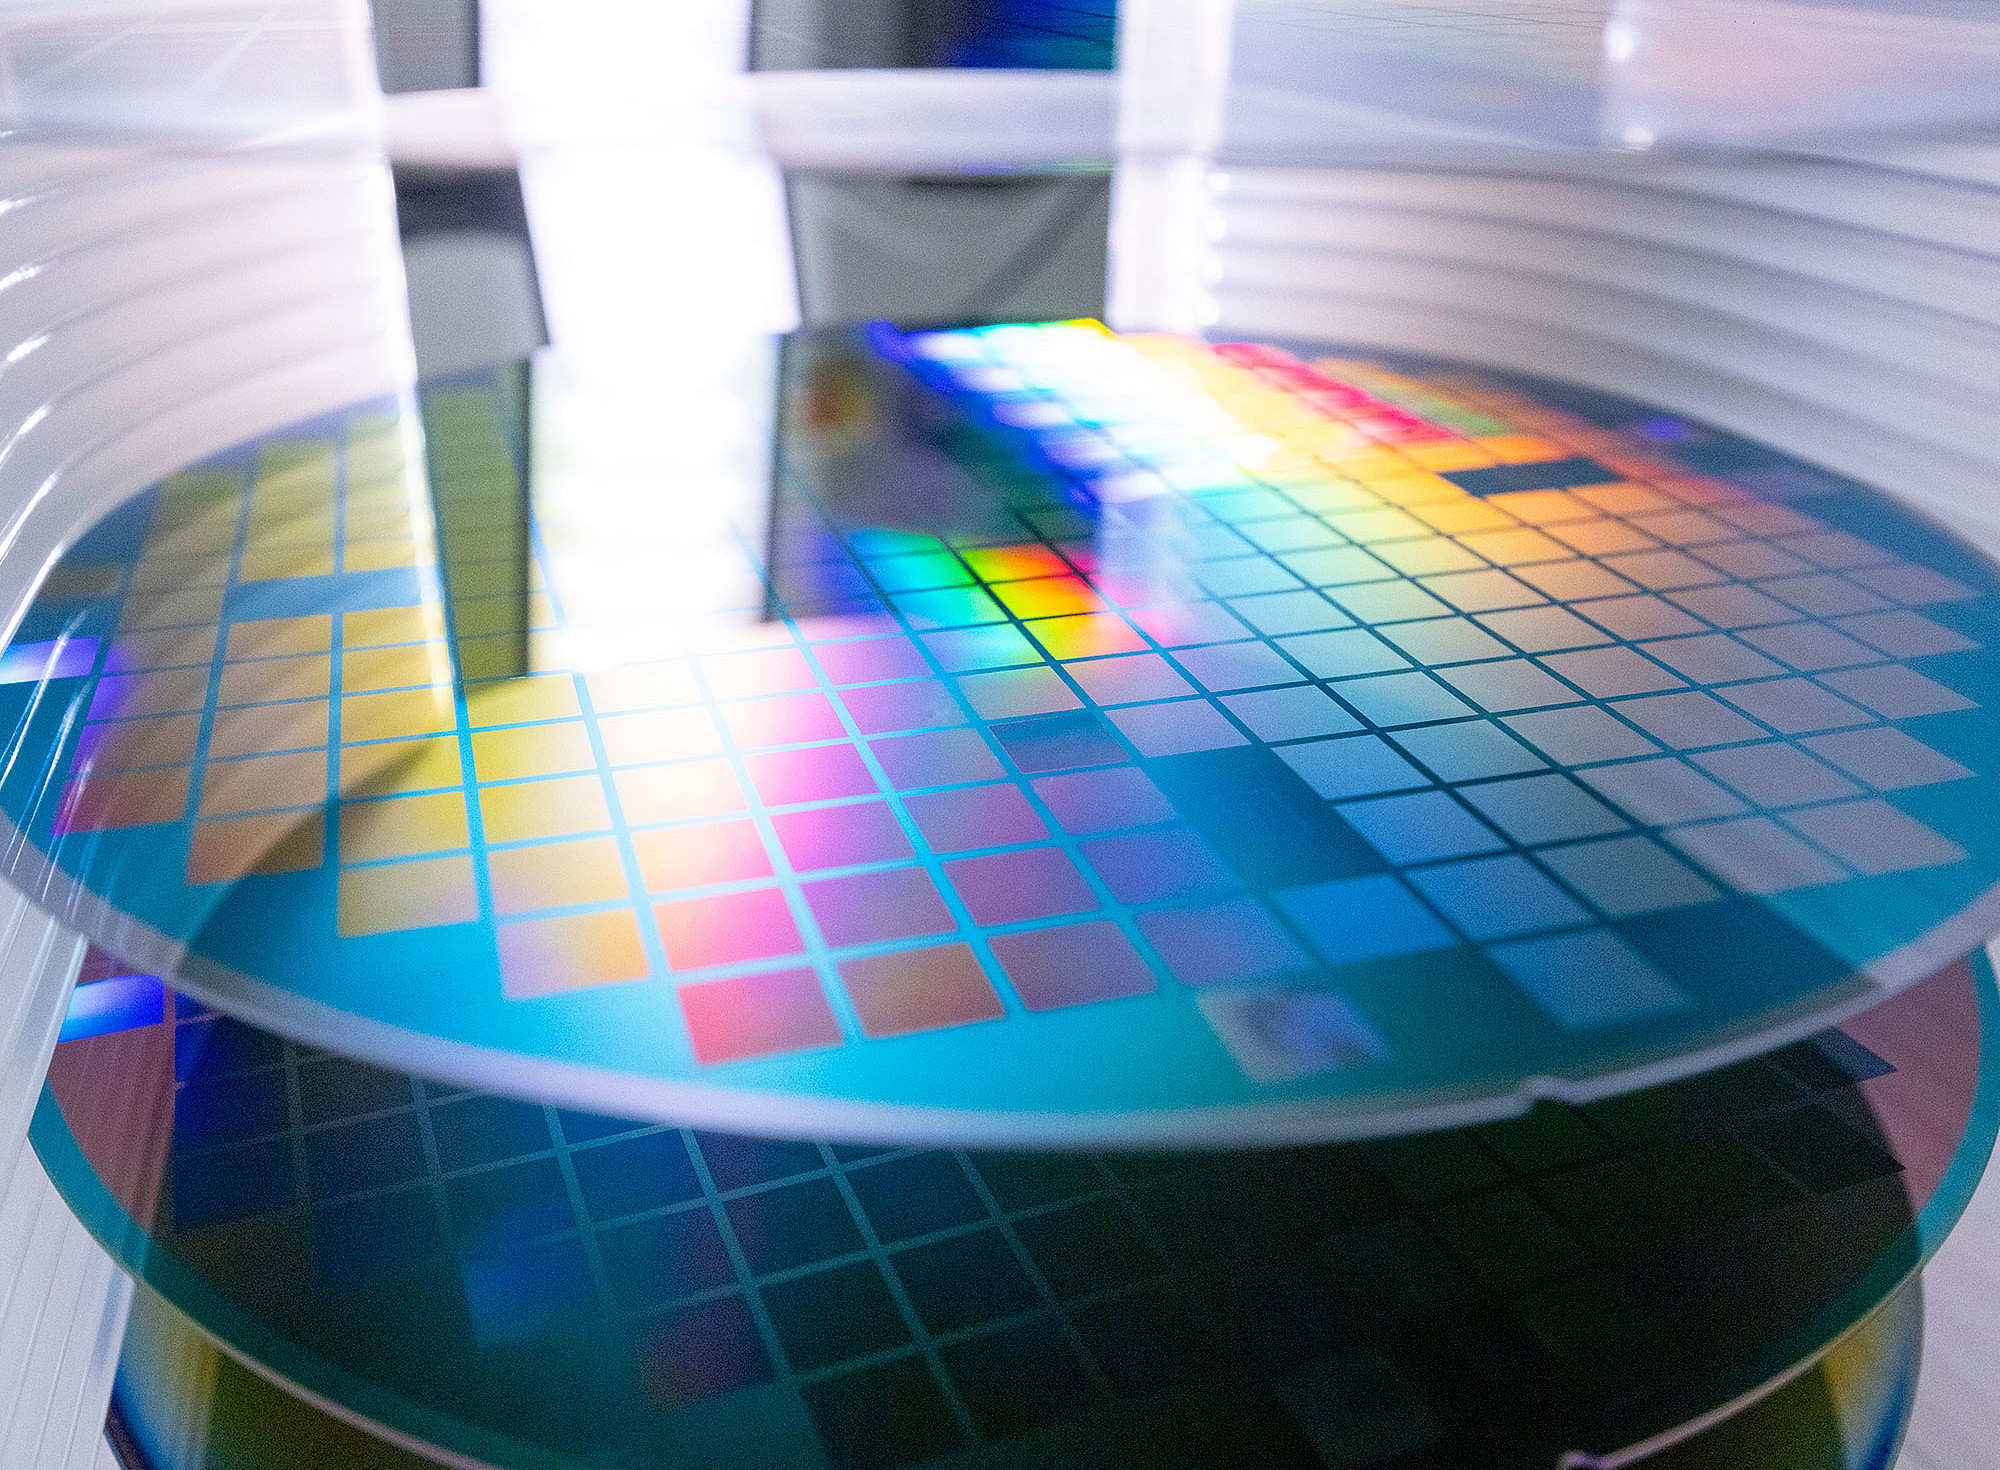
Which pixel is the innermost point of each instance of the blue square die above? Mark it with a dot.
(1364, 919)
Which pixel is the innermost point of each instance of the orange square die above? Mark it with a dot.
(727, 929)
(270, 637)
(99, 800)
(700, 854)
(533, 809)
(532, 750)
(263, 783)
(412, 895)
(572, 952)
(678, 792)
(555, 875)
(275, 842)
(919, 990)
(757, 1016)
(299, 724)
(130, 745)
(405, 666)
(403, 826)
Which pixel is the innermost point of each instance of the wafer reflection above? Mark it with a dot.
(1641, 1261)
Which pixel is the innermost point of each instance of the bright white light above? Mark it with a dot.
(1173, 89)
(1621, 41)
(664, 261)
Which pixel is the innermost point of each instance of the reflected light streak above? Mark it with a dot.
(664, 260)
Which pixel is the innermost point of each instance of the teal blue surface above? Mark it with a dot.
(1326, 855)
(536, 1288)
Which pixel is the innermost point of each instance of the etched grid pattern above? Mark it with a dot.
(918, 1301)
(1259, 667)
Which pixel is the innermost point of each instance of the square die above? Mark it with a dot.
(1072, 965)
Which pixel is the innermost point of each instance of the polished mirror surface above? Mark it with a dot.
(1077, 738)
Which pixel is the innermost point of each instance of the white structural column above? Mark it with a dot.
(62, 1301)
(200, 247)
(62, 1320)
(1173, 88)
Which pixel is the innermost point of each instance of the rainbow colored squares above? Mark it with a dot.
(1213, 742)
